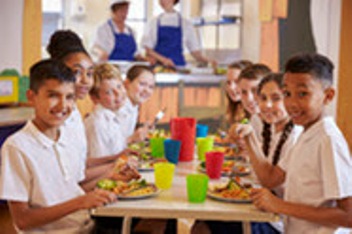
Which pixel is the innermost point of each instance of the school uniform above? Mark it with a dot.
(119, 45)
(257, 124)
(318, 172)
(127, 116)
(103, 132)
(42, 172)
(168, 34)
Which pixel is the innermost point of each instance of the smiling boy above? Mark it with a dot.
(41, 167)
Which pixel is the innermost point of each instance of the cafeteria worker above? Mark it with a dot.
(114, 39)
(166, 35)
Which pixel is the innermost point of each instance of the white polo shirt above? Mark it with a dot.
(127, 117)
(42, 172)
(105, 38)
(103, 132)
(190, 37)
(318, 172)
(257, 125)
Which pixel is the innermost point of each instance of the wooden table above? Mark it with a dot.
(173, 203)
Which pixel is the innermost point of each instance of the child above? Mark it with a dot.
(102, 127)
(317, 171)
(139, 84)
(41, 168)
(235, 111)
(67, 47)
(248, 83)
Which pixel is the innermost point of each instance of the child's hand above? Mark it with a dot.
(97, 198)
(125, 173)
(265, 200)
(140, 134)
(239, 131)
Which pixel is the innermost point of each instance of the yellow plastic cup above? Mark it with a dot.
(164, 174)
(204, 144)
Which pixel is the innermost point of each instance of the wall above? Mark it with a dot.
(344, 110)
(11, 13)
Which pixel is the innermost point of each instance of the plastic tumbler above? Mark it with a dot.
(213, 164)
(204, 144)
(164, 174)
(157, 146)
(197, 186)
(172, 150)
(201, 130)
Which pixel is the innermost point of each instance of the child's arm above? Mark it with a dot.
(270, 176)
(334, 216)
(26, 217)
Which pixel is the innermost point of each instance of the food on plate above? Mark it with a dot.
(237, 167)
(143, 149)
(107, 184)
(232, 191)
(148, 165)
(158, 133)
(162, 69)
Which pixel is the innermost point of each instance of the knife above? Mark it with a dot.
(159, 116)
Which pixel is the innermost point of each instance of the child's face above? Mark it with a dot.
(141, 88)
(249, 95)
(82, 66)
(53, 103)
(112, 94)
(232, 88)
(305, 98)
(271, 103)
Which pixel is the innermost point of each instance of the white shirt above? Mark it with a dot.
(257, 125)
(127, 116)
(105, 38)
(42, 172)
(190, 37)
(318, 172)
(103, 132)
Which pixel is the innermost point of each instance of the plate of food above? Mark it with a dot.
(136, 189)
(148, 165)
(228, 167)
(232, 191)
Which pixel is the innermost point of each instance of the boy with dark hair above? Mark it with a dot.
(41, 168)
(317, 171)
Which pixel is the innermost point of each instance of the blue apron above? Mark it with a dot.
(169, 42)
(125, 45)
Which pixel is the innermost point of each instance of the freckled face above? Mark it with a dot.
(249, 95)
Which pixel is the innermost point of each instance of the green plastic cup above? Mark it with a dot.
(164, 174)
(197, 186)
(204, 144)
(157, 147)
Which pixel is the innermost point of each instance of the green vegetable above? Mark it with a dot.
(232, 185)
(106, 184)
(245, 121)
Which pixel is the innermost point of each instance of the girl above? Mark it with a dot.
(167, 34)
(139, 84)
(279, 134)
(235, 111)
(67, 47)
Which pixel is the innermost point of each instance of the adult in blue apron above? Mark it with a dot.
(169, 43)
(125, 45)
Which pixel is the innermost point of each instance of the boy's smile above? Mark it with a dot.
(305, 98)
(53, 104)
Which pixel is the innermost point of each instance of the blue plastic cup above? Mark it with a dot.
(172, 150)
(202, 130)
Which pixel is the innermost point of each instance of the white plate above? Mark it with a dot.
(217, 197)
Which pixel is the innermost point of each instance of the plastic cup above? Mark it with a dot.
(164, 174)
(157, 146)
(172, 150)
(201, 130)
(197, 186)
(204, 144)
(213, 164)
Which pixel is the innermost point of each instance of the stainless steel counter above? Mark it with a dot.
(15, 115)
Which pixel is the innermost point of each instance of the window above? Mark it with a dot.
(137, 16)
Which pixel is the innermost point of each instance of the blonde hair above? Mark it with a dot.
(102, 72)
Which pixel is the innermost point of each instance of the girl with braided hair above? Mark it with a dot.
(279, 134)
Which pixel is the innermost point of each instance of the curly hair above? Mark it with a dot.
(102, 72)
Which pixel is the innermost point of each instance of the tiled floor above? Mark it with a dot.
(6, 226)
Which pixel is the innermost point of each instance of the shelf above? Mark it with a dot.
(225, 20)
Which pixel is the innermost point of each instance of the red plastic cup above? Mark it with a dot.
(213, 164)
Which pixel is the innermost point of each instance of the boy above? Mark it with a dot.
(317, 171)
(41, 167)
